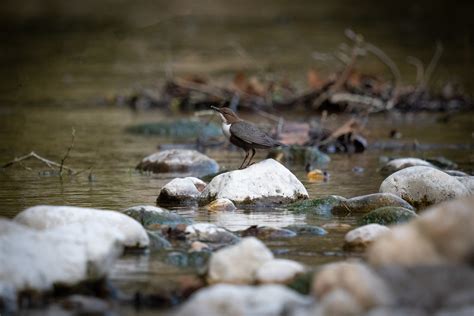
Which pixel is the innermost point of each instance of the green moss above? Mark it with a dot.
(321, 206)
(302, 283)
(388, 215)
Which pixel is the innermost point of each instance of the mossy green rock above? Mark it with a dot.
(388, 215)
(302, 283)
(149, 215)
(180, 128)
(321, 206)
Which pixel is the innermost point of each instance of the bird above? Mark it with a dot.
(244, 134)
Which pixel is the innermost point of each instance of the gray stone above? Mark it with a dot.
(402, 163)
(150, 215)
(468, 182)
(179, 161)
(423, 186)
(181, 191)
(363, 236)
(210, 233)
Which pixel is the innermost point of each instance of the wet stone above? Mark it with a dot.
(210, 233)
(179, 161)
(149, 215)
(157, 241)
(180, 191)
(307, 230)
(321, 206)
(423, 186)
(402, 163)
(220, 205)
(367, 203)
(387, 216)
(361, 237)
(267, 232)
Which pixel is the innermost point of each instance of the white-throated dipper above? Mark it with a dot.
(243, 134)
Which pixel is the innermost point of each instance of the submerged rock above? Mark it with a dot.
(44, 217)
(243, 300)
(279, 271)
(441, 234)
(238, 263)
(423, 186)
(402, 163)
(388, 215)
(158, 241)
(66, 254)
(321, 206)
(304, 229)
(334, 204)
(363, 236)
(180, 128)
(220, 205)
(179, 161)
(357, 281)
(181, 191)
(267, 232)
(264, 182)
(442, 162)
(210, 233)
(151, 215)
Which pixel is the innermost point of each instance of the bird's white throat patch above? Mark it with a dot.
(226, 129)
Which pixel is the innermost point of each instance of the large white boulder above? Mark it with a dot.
(243, 300)
(46, 217)
(238, 263)
(68, 254)
(267, 182)
(423, 186)
(179, 161)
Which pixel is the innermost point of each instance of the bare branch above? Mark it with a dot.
(73, 135)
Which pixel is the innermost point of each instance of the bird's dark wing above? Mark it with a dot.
(251, 134)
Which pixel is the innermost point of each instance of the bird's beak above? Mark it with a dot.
(216, 109)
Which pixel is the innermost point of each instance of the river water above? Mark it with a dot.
(102, 143)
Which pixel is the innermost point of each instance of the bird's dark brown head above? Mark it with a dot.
(227, 115)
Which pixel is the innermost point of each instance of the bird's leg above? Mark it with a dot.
(253, 154)
(246, 156)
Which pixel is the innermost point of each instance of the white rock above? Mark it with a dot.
(339, 303)
(365, 235)
(207, 232)
(423, 186)
(179, 190)
(243, 300)
(37, 259)
(267, 181)
(468, 182)
(198, 183)
(355, 278)
(278, 271)
(402, 163)
(442, 234)
(238, 263)
(221, 205)
(47, 216)
(179, 161)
